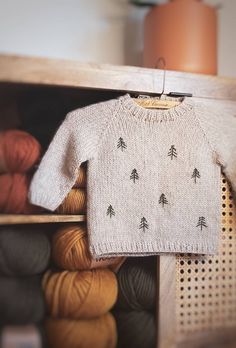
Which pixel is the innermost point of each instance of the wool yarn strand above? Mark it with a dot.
(74, 203)
(24, 250)
(14, 195)
(136, 329)
(21, 300)
(85, 333)
(80, 295)
(70, 250)
(19, 151)
(137, 283)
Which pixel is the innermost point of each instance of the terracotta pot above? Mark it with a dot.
(184, 32)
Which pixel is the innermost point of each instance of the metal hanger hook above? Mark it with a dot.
(162, 61)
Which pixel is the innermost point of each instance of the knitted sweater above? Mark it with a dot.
(154, 176)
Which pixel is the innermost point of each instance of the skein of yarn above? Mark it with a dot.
(19, 151)
(14, 194)
(136, 329)
(137, 284)
(70, 250)
(82, 177)
(74, 203)
(80, 295)
(23, 251)
(21, 300)
(99, 332)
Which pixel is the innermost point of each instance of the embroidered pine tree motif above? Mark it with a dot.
(201, 222)
(110, 211)
(172, 152)
(134, 175)
(163, 200)
(196, 175)
(121, 144)
(143, 224)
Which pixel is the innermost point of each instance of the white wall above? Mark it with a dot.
(102, 31)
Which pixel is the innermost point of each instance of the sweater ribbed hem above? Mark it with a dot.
(142, 248)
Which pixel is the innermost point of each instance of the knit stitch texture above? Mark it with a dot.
(153, 175)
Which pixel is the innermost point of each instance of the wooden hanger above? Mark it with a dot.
(162, 100)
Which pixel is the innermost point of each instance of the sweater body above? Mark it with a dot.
(154, 176)
(156, 190)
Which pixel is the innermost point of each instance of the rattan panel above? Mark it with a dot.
(206, 285)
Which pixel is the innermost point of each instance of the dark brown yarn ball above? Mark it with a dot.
(136, 329)
(21, 300)
(23, 251)
(137, 280)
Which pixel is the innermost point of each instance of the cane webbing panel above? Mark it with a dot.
(206, 285)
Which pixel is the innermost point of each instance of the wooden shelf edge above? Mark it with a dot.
(70, 73)
(14, 219)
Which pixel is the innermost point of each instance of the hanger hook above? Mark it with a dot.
(162, 61)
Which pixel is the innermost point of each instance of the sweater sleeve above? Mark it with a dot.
(218, 121)
(75, 141)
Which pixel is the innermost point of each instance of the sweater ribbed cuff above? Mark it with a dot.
(49, 202)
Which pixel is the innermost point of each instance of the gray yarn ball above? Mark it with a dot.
(21, 300)
(23, 251)
(136, 329)
(137, 284)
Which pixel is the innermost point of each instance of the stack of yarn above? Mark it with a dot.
(80, 295)
(24, 256)
(19, 152)
(136, 305)
(75, 201)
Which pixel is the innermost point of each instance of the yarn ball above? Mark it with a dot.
(19, 151)
(70, 250)
(82, 177)
(87, 333)
(21, 300)
(24, 251)
(80, 295)
(137, 279)
(136, 329)
(14, 194)
(74, 203)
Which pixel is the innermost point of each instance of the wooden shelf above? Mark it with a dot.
(14, 219)
(70, 73)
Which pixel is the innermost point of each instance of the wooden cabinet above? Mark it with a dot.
(179, 317)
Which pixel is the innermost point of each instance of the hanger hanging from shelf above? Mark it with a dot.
(161, 100)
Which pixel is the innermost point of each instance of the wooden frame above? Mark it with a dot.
(41, 71)
(15, 219)
(52, 72)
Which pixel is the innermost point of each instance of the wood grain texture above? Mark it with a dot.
(166, 305)
(43, 71)
(14, 219)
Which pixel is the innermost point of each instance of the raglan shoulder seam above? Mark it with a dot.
(107, 108)
(113, 106)
(210, 143)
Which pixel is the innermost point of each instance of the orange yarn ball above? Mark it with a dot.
(14, 194)
(74, 203)
(19, 151)
(80, 295)
(71, 251)
(82, 177)
(99, 332)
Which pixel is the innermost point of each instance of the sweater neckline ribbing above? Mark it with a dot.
(186, 105)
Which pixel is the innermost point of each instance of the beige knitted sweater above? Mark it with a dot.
(153, 175)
